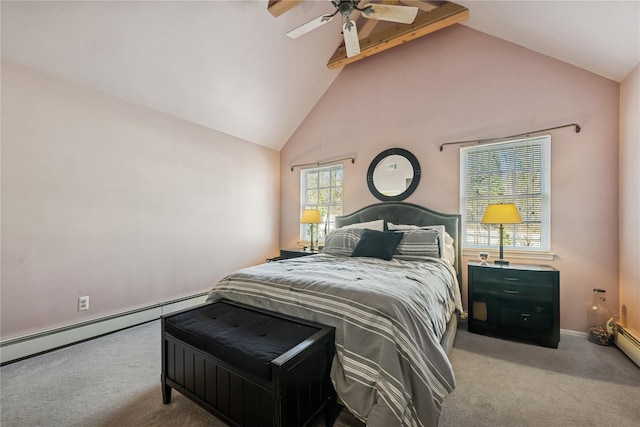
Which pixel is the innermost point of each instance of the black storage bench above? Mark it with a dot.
(248, 366)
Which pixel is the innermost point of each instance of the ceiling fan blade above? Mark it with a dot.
(311, 25)
(388, 12)
(351, 42)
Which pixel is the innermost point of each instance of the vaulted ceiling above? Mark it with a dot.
(229, 66)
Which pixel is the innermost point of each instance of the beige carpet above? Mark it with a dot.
(115, 381)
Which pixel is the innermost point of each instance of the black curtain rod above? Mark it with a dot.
(353, 160)
(480, 141)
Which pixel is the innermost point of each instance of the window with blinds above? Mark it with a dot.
(516, 172)
(321, 188)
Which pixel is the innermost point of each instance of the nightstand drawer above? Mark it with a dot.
(530, 317)
(515, 289)
(494, 275)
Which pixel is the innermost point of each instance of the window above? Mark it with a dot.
(321, 188)
(508, 172)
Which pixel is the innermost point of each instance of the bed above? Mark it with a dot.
(395, 318)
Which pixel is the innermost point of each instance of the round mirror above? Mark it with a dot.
(393, 175)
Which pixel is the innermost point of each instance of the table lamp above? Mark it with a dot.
(312, 217)
(502, 213)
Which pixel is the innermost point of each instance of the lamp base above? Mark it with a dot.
(312, 248)
(501, 262)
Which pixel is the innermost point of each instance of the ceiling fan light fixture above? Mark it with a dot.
(402, 14)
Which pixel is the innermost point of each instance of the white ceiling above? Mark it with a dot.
(228, 65)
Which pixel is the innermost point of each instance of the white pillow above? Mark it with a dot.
(392, 226)
(377, 225)
(445, 241)
(449, 249)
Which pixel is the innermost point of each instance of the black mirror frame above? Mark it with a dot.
(414, 183)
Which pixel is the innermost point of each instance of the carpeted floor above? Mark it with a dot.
(115, 381)
(505, 383)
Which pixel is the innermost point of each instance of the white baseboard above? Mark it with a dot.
(19, 348)
(573, 333)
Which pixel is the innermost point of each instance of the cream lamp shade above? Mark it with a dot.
(503, 213)
(311, 216)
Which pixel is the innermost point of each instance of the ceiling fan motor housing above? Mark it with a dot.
(345, 8)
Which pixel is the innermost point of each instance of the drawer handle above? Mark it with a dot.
(512, 279)
(510, 291)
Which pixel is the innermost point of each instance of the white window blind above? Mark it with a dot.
(517, 171)
(321, 188)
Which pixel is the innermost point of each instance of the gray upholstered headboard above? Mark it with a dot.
(408, 213)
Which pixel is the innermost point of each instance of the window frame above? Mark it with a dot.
(334, 209)
(492, 237)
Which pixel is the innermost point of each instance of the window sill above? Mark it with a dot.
(494, 254)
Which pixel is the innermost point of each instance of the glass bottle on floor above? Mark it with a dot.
(601, 327)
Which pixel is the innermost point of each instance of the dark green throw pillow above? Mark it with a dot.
(377, 244)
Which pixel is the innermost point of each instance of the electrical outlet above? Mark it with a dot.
(83, 303)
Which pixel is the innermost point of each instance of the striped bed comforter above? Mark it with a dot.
(389, 368)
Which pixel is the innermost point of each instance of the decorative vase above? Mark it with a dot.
(601, 326)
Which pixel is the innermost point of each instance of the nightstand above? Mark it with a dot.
(515, 301)
(295, 253)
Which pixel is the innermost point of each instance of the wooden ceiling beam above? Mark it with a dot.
(426, 7)
(425, 23)
(367, 27)
(278, 7)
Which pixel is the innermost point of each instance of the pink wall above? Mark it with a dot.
(630, 201)
(132, 207)
(459, 84)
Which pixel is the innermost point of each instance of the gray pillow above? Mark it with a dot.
(418, 244)
(342, 241)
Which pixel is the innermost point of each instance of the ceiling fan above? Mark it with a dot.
(383, 12)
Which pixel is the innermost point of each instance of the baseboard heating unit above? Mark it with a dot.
(628, 343)
(31, 345)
